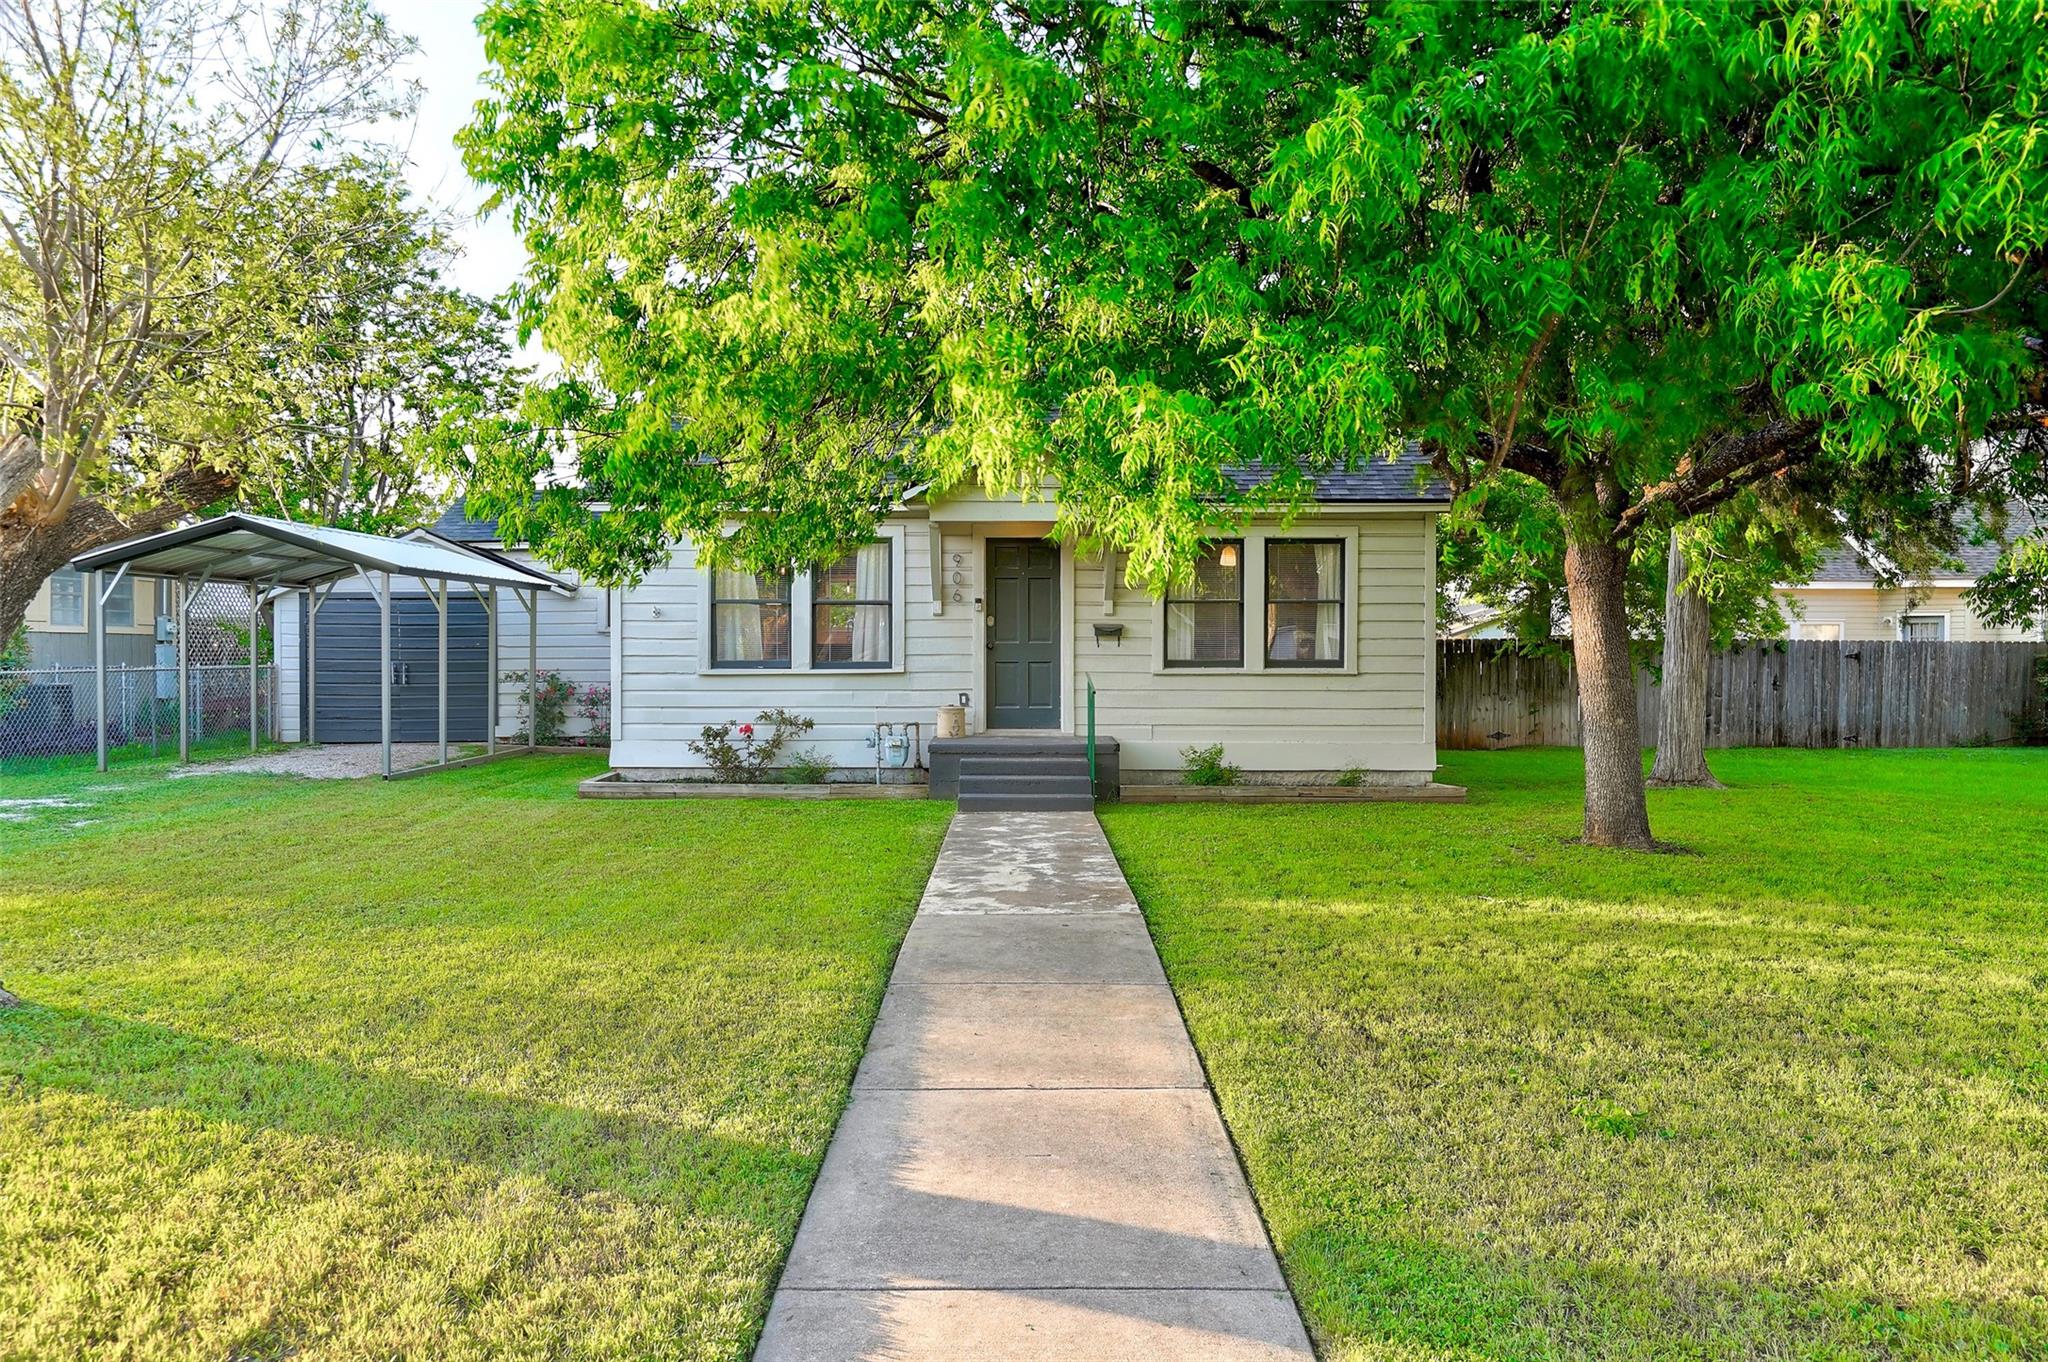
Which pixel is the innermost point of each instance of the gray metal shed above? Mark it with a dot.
(274, 557)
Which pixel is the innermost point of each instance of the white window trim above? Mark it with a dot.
(84, 615)
(1255, 607)
(1941, 615)
(800, 602)
(1799, 626)
(125, 585)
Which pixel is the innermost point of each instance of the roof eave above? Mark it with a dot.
(346, 561)
(476, 549)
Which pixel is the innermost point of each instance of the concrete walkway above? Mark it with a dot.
(1031, 1167)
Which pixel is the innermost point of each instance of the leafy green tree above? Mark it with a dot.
(1646, 256)
(1720, 571)
(157, 163)
(1707, 584)
(365, 395)
(2013, 509)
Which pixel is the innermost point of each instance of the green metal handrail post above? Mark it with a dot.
(1091, 735)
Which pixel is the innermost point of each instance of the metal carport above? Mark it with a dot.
(278, 556)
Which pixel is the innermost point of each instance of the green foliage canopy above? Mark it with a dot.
(364, 387)
(1646, 254)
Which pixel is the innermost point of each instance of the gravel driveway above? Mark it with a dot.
(331, 761)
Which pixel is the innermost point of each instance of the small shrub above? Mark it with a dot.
(2030, 727)
(594, 703)
(742, 753)
(1205, 766)
(1352, 778)
(551, 700)
(808, 767)
(14, 676)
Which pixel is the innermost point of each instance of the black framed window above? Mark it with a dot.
(850, 605)
(1205, 617)
(1304, 602)
(749, 618)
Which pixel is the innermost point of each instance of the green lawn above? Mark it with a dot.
(1505, 1097)
(455, 1067)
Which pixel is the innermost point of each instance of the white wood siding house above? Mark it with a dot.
(1306, 650)
(1846, 600)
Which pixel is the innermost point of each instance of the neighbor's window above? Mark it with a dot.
(1821, 631)
(67, 597)
(749, 618)
(1923, 628)
(121, 603)
(1304, 602)
(850, 610)
(1205, 618)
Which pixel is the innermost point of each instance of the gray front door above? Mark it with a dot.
(1023, 634)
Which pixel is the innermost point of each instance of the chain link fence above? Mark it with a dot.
(48, 706)
(49, 712)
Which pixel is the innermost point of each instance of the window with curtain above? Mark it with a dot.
(67, 598)
(1923, 628)
(850, 603)
(1304, 602)
(1205, 618)
(121, 603)
(749, 618)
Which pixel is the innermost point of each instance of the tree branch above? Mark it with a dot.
(1734, 462)
(1214, 175)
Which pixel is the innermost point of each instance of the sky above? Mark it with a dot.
(448, 69)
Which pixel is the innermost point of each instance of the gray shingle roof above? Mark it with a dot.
(454, 525)
(1403, 479)
(1846, 564)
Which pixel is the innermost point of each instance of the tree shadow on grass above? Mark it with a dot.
(577, 1151)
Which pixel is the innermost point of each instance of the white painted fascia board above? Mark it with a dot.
(486, 552)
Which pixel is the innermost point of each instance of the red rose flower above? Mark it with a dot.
(746, 730)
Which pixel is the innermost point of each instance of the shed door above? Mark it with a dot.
(1023, 634)
(346, 663)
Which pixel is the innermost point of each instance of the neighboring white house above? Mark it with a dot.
(1845, 599)
(1307, 649)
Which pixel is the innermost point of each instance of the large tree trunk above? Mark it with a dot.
(1595, 575)
(31, 547)
(1682, 699)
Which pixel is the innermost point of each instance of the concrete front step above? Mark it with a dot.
(957, 764)
(1025, 783)
(1064, 765)
(1019, 743)
(1025, 803)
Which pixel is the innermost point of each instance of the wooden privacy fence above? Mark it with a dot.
(1806, 693)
